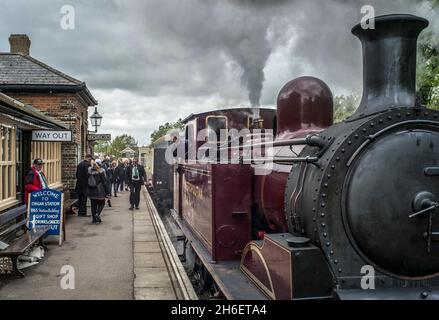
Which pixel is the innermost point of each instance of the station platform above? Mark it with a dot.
(158, 271)
(129, 256)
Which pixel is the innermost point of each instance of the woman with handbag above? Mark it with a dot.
(97, 190)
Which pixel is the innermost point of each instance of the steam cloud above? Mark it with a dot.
(248, 31)
(236, 29)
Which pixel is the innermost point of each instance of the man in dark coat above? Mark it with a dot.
(128, 164)
(82, 184)
(119, 173)
(136, 176)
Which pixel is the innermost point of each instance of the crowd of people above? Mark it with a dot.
(100, 180)
(97, 180)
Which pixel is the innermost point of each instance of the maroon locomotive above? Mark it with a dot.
(344, 211)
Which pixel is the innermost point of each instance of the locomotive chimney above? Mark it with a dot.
(389, 62)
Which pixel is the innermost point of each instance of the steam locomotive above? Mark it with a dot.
(348, 210)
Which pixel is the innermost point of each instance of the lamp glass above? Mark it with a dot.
(96, 119)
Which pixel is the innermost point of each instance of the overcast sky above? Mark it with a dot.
(153, 61)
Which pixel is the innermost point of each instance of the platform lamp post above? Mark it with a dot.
(96, 121)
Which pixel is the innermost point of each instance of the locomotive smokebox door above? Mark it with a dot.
(396, 226)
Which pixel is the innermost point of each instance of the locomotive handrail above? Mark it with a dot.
(285, 160)
(433, 206)
(312, 140)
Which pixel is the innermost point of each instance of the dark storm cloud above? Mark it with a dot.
(198, 38)
(217, 29)
(194, 47)
(202, 52)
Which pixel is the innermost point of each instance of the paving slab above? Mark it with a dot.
(152, 278)
(141, 223)
(142, 217)
(150, 260)
(154, 294)
(144, 230)
(146, 247)
(148, 237)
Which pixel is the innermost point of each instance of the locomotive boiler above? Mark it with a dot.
(348, 210)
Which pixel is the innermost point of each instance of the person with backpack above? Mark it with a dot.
(97, 190)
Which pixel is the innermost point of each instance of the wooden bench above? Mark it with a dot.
(68, 206)
(16, 238)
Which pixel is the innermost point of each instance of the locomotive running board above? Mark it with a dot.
(387, 294)
(226, 274)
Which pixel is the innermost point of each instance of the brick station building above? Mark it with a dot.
(56, 94)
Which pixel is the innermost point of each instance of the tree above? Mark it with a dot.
(428, 68)
(429, 76)
(121, 142)
(103, 147)
(433, 3)
(115, 147)
(164, 129)
(344, 106)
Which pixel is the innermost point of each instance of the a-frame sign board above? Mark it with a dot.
(45, 208)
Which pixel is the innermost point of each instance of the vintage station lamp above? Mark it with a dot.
(96, 120)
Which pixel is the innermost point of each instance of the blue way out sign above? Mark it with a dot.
(45, 209)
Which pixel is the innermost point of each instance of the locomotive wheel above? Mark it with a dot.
(204, 283)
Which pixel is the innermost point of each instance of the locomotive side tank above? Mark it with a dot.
(213, 200)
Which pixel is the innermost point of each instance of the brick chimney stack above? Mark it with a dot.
(20, 43)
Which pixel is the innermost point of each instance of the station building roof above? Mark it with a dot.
(15, 112)
(21, 72)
